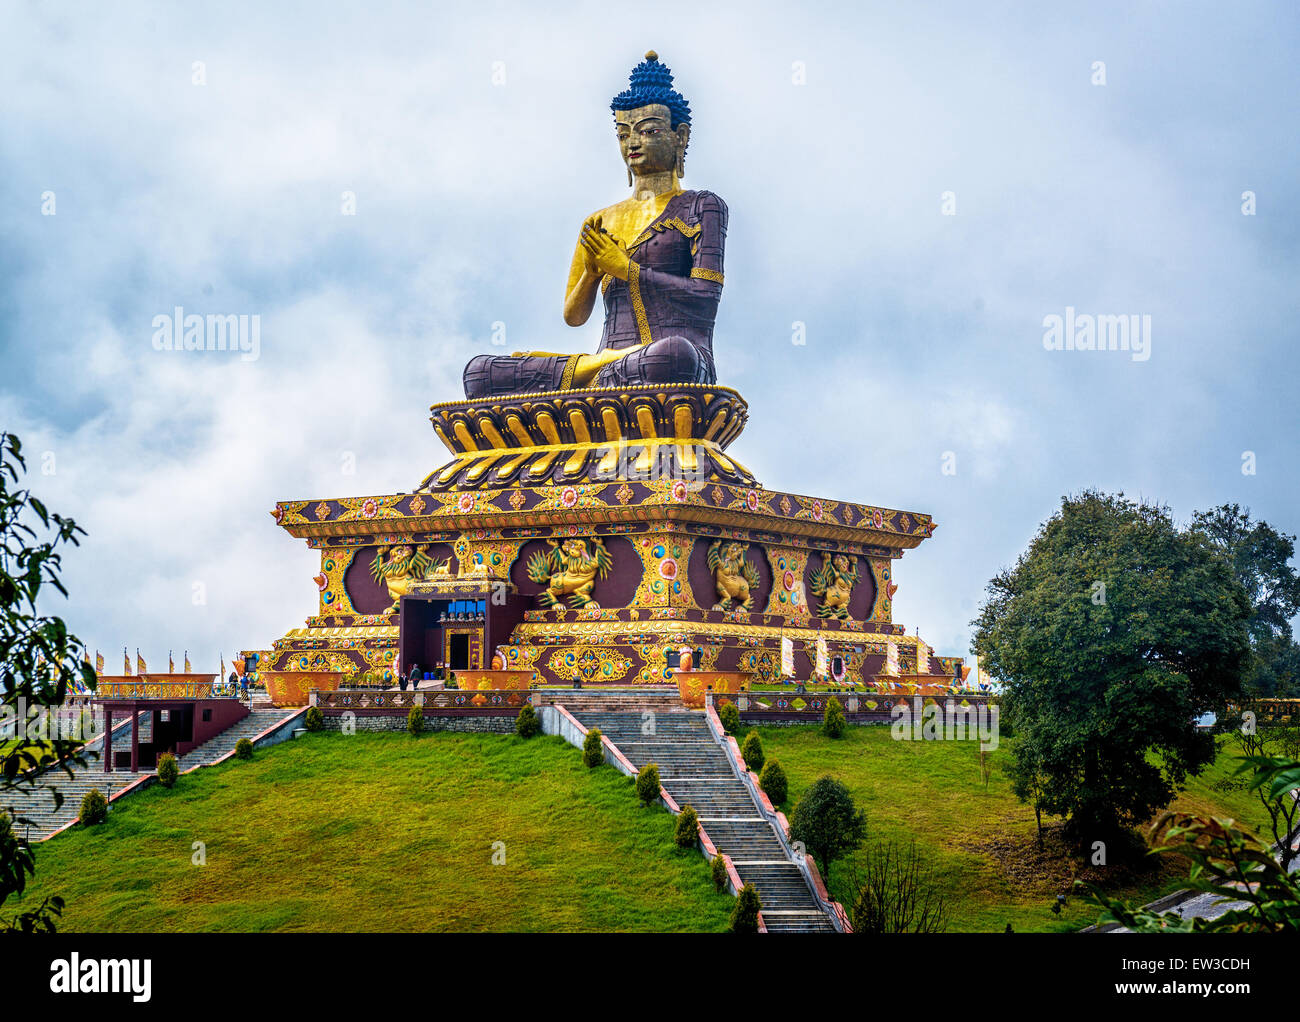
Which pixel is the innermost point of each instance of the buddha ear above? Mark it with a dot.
(684, 140)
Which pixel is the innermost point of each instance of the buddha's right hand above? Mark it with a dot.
(588, 260)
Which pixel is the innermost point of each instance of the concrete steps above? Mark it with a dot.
(38, 804)
(261, 719)
(797, 922)
(661, 700)
(696, 771)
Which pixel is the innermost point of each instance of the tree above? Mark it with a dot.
(896, 893)
(751, 750)
(687, 832)
(744, 915)
(593, 750)
(94, 808)
(647, 784)
(827, 822)
(1227, 861)
(1029, 782)
(527, 723)
(773, 781)
(168, 772)
(39, 662)
(1112, 634)
(1259, 556)
(833, 721)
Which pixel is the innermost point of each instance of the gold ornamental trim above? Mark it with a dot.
(596, 630)
(343, 632)
(638, 307)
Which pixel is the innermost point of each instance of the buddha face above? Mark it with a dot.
(647, 141)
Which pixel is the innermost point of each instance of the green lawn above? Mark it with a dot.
(385, 833)
(981, 842)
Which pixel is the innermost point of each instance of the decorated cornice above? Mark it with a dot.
(394, 517)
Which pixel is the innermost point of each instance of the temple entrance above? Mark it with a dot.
(458, 649)
(457, 630)
(170, 728)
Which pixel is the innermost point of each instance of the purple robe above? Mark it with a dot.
(665, 311)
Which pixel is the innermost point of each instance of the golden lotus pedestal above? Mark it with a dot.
(587, 436)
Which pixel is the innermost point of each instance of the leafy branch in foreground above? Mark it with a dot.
(1227, 861)
(39, 662)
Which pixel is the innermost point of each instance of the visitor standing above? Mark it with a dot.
(415, 677)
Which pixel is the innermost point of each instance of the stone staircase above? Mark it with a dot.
(38, 805)
(695, 771)
(261, 719)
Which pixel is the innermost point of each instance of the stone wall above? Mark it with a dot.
(808, 720)
(499, 725)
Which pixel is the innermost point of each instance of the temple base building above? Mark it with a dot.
(583, 536)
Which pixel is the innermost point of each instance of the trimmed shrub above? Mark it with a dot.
(751, 751)
(647, 784)
(730, 717)
(593, 755)
(773, 781)
(718, 873)
(315, 720)
(168, 771)
(744, 917)
(833, 722)
(688, 828)
(243, 749)
(94, 807)
(527, 723)
(828, 822)
(415, 720)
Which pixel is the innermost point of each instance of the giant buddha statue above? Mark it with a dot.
(655, 258)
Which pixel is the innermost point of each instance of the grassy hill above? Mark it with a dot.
(385, 833)
(980, 840)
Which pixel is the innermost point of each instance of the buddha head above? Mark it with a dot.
(652, 120)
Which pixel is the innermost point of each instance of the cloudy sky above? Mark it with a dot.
(198, 155)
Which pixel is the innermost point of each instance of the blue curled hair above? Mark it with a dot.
(652, 82)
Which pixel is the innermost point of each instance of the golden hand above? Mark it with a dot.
(589, 262)
(604, 251)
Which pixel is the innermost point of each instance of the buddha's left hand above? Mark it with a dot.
(609, 256)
